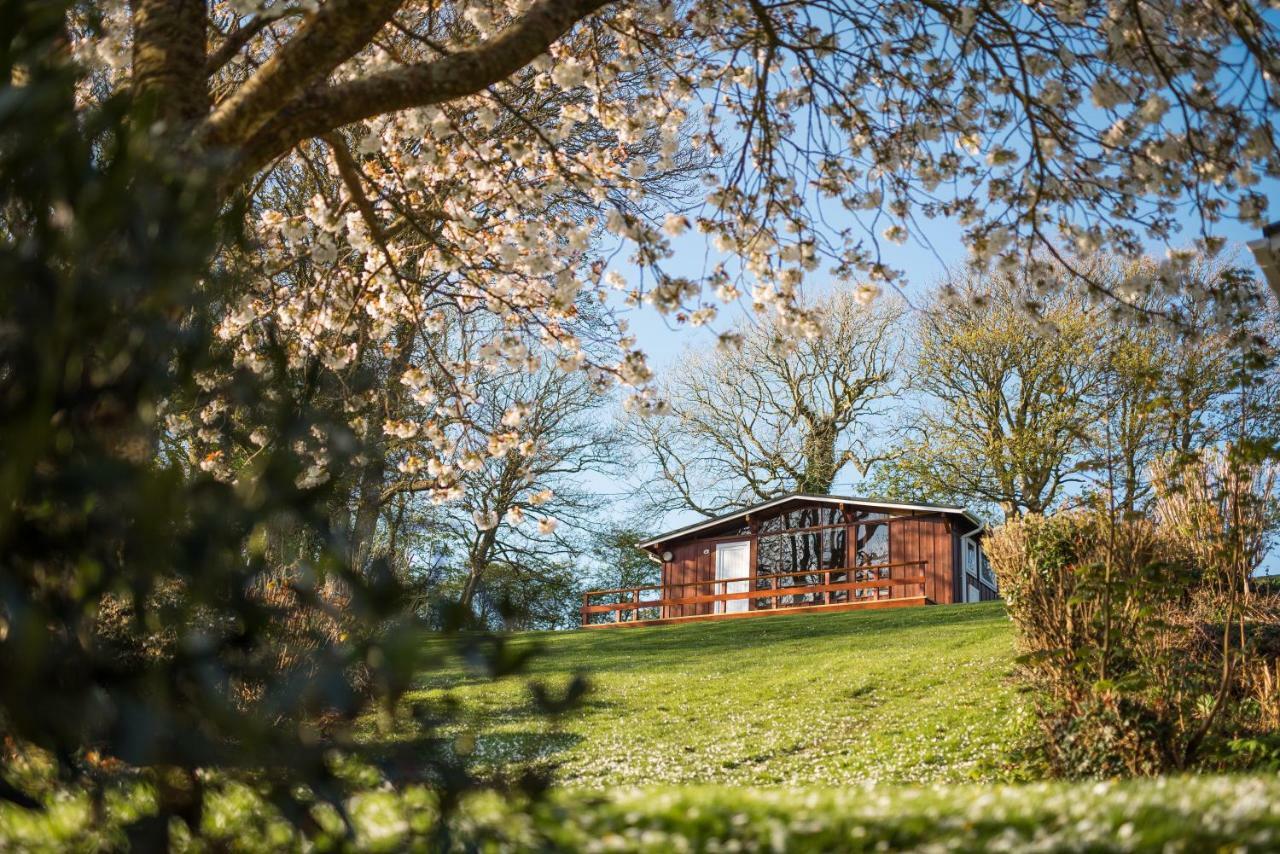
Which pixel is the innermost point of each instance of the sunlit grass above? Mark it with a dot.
(1183, 814)
(911, 695)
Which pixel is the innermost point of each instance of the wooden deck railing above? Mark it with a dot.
(849, 586)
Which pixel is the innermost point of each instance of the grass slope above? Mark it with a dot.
(911, 695)
(834, 705)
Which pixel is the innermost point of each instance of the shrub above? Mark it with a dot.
(1141, 659)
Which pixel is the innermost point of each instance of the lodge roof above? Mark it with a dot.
(801, 496)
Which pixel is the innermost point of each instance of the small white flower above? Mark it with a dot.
(273, 219)
(866, 293)
(515, 413)
(400, 429)
(369, 144)
(547, 525)
(569, 73)
(414, 378)
(336, 360)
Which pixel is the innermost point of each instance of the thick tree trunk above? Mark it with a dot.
(169, 61)
(820, 459)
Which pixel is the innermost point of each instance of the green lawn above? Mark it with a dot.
(910, 695)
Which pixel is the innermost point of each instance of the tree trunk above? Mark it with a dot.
(477, 560)
(168, 61)
(373, 474)
(820, 459)
(369, 503)
(469, 589)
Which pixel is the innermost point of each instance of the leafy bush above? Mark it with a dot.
(1142, 659)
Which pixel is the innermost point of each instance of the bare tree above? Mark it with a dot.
(1005, 405)
(530, 509)
(785, 410)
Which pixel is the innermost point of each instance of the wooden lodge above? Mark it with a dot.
(805, 553)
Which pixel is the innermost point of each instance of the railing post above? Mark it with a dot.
(586, 597)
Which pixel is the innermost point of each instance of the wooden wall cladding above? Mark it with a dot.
(926, 538)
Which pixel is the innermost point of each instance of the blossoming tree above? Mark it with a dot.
(475, 153)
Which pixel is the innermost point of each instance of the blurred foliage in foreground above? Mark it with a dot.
(1170, 814)
(144, 634)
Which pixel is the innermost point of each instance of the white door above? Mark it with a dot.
(733, 560)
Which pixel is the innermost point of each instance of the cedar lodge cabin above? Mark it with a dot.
(805, 553)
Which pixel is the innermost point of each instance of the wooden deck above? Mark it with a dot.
(890, 585)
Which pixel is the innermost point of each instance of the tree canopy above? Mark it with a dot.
(469, 156)
(771, 416)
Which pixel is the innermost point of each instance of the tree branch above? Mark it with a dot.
(241, 36)
(325, 108)
(329, 37)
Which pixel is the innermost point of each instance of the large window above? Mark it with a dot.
(871, 553)
(810, 546)
(800, 552)
(801, 518)
(796, 548)
(873, 542)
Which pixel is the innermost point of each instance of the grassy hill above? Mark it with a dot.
(911, 695)
(849, 732)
